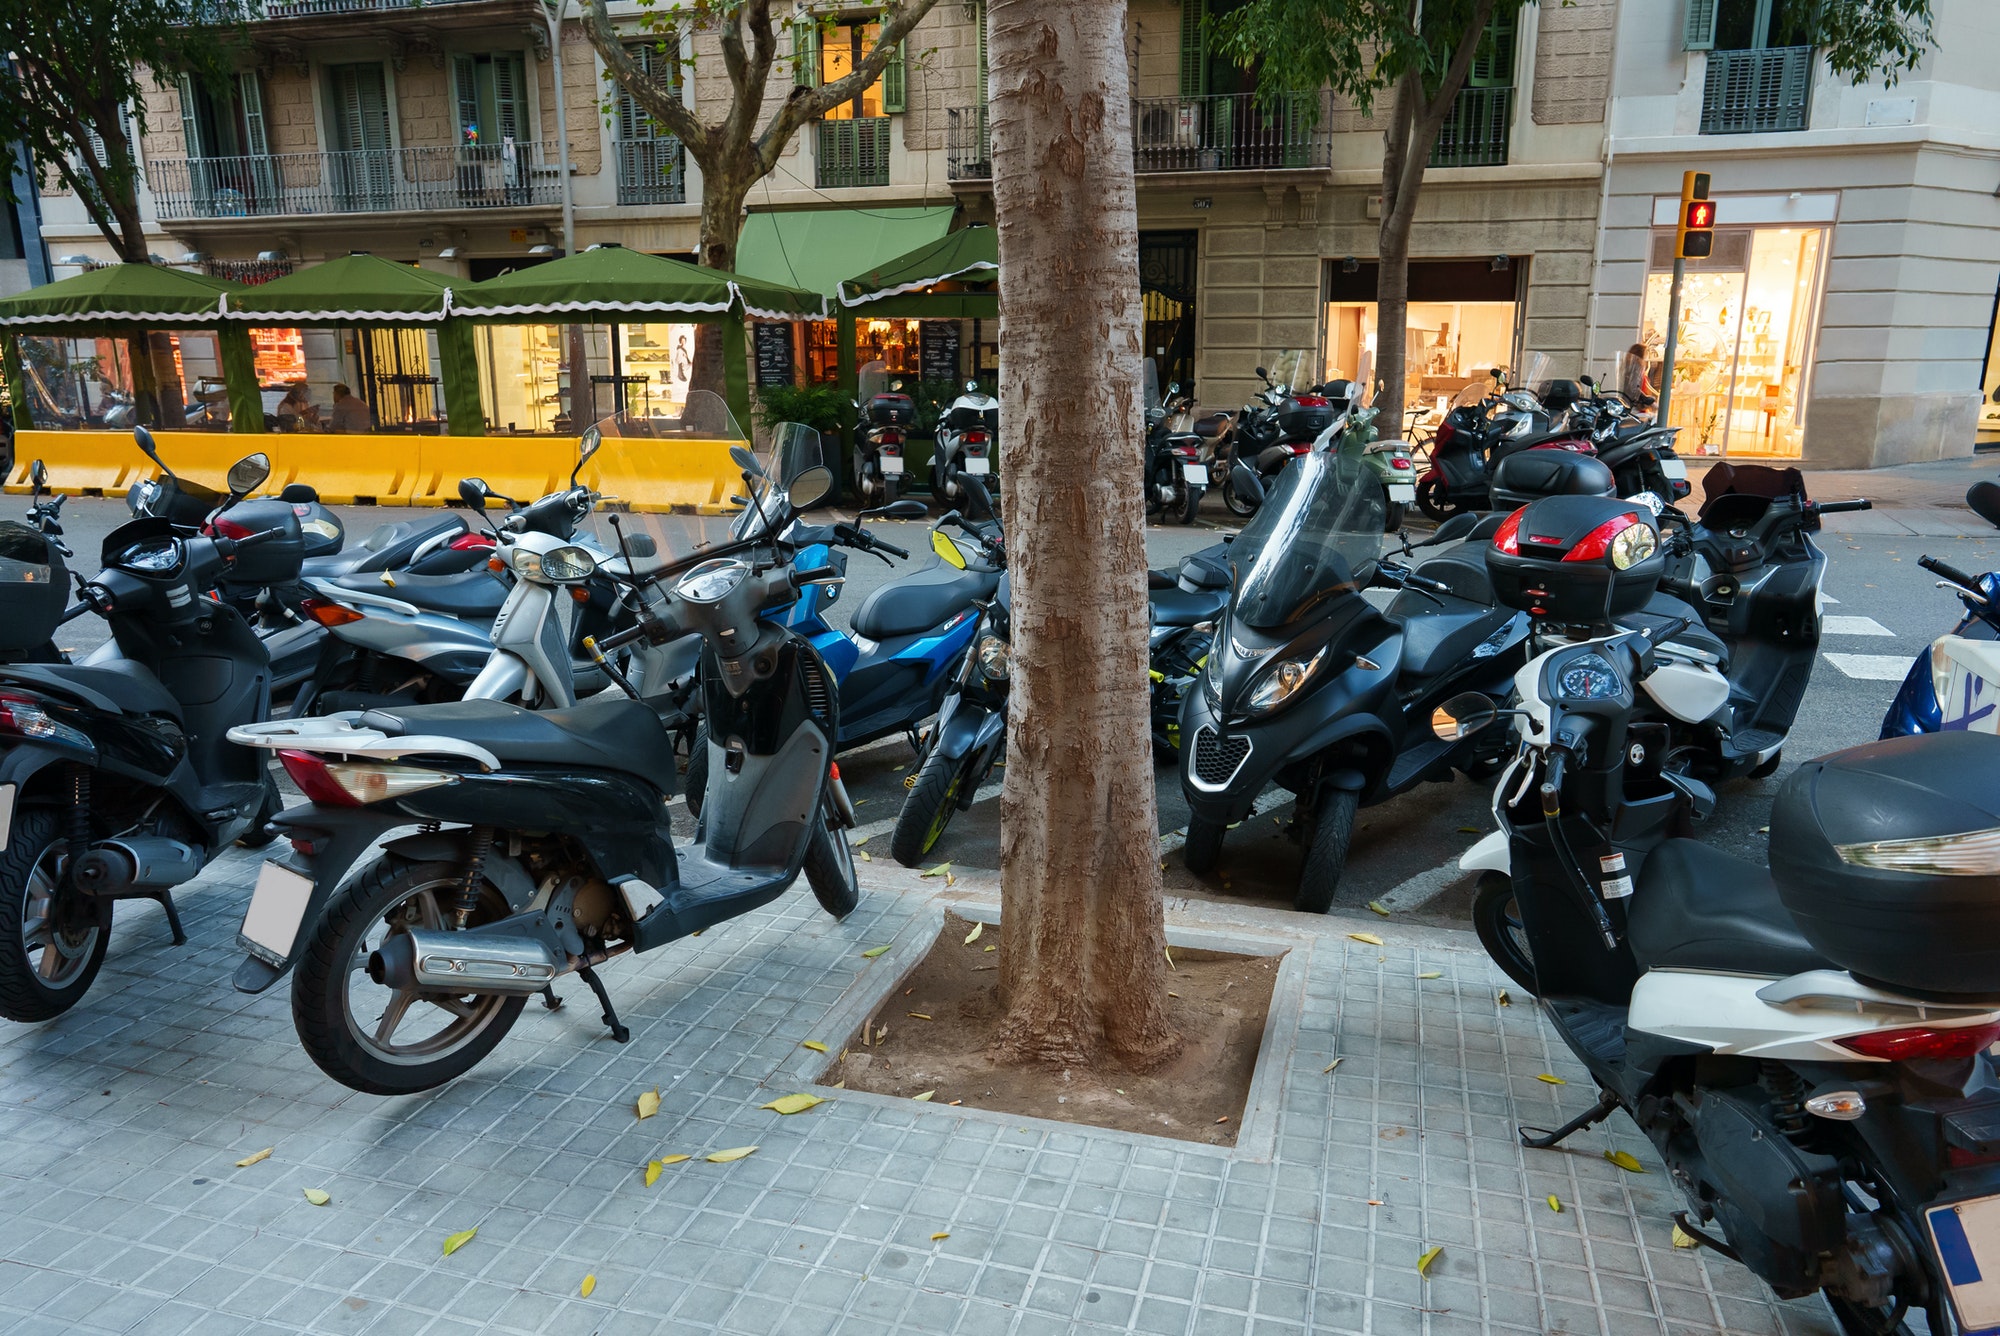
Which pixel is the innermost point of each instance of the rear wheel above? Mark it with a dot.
(1434, 498)
(1239, 506)
(1326, 856)
(1203, 847)
(1496, 917)
(1190, 503)
(51, 942)
(830, 870)
(1392, 516)
(377, 1039)
(929, 808)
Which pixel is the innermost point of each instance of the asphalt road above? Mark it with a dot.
(1884, 612)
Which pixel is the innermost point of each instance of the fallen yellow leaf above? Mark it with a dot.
(1367, 937)
(725, 1156)
(1468, 830)
(949, 880)
(589, 1284)
(973, 936)
(653, 1168)
(1169, 994)
(1331, 1065)
(316, 1196)
(1551, 1079)
(918, 1015)
(1683, 1239)
(873, 952)
(649, 1103)
(1379, 908)
(459, 1240)
(1433, 974)
(1555, 1205)
(937, 871)
(813, 1044)
(793, 1103)
(1503, 999)
(1430, 1255)
(867, 857)
(258, 1158)
(675, 1159)
(992, 948)
(1170, 958)
(923, 1098)
(856, 844)
(1625, 1160)
(940, 1235)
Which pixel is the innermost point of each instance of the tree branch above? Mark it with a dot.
(657, 100)
(809, 104)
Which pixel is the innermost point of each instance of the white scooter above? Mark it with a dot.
(968, 441)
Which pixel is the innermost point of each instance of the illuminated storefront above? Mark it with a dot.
(1463, 323)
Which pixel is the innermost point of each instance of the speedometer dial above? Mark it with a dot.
(1588, 677)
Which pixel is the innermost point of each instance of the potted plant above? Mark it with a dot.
(816, 406)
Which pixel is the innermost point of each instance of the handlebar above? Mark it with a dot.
(1840, 507)
(229, 547)
(890, 548)
(1552, 779)
(1951, 573)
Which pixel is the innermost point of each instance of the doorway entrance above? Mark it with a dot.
(1166, 287)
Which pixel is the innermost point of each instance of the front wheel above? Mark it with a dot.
(830, 870)
(1434, 497)
(929, 808)
(1392, 516)
(1203, 845)
(1326, 857)
(1242, 507)
(51, 941)
(1496, 917)
(380, 1040)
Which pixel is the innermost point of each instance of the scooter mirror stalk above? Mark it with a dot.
(1463, 715)
(38, 474)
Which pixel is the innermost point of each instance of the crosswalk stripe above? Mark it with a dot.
(1853, 626)
(1872, 667)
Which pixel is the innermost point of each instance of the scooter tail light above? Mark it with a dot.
(1924, 1042)
(891, 442)
(309, 772)
(357, 783)
(1508, 536)
(224, 527)
(1398, 462)
(975, 438)
(1311, 400)
(330, 614)
(1598, 541)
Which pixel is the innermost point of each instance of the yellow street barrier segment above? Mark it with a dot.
(80, 462)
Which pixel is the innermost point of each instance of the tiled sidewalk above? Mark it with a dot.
(120, 1126)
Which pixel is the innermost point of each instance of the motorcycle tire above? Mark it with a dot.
(323, 1006)
(694, 784)
(1190, 504)
(830, 870)
(1237, 505)
(1433, 498)
(1392, 516)
(929, 808)
(1497, 920)
(1203, 846)
(29, 882)
(1326, 856)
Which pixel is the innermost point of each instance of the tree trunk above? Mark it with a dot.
(722, 197)
(1082, 972)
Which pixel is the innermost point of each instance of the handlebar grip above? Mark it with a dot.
(236, 545)
(621, 638)
(1840, 507)
(890, 548)
(1951, 573)
(1552, 779)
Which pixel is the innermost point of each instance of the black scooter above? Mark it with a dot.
(116, 778)
(1311, 689)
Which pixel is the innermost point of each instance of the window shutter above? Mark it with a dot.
(257, 142)
(895, 95)
(465, 76)
(190, 124)
(509, 89)
(374, 90)
(805, 53)
(979, 14)
(1699, 34)
(1194, 48)
(1493, 64)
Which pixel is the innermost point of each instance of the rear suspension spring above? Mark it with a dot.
(1788, 1099)
(480, 845)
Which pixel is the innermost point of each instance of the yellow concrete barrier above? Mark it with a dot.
(665, 473)
(523, 467)
(80, 462)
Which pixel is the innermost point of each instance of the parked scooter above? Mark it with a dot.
(417, 967)
(968, 442)
(1316, 691)
(1480, 430)
(1176, 476)
(1955, 683)
(1278, 425)
(1352, 433)
(885, 417)
(116, 781)
(1806, 1044)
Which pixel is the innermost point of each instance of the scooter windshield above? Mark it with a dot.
(1292, 368)
(1151, 380)
(1317, 536)
(667, 464)
(874, 379)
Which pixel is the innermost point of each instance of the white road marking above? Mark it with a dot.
(1421, 889)
(1853, 626)
(1266, 803)
(986, 794)
(1827, 600)
(1872, 667)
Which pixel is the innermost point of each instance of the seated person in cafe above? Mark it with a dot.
(350, 413)
(298, 407)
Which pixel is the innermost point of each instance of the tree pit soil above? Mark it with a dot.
(943, 1018)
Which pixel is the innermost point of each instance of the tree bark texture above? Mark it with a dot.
(1082, 949)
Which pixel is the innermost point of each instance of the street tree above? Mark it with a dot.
(1418, 53)
(72, 78)
(1082, 951)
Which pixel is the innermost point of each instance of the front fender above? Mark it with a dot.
(1489, 855)
(966, 726)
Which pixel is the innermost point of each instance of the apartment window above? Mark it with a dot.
(1759, 66)
(492, 94)
(1474, 133)
(824, 53)
(358, 131)
(651, 164)
(224, 122)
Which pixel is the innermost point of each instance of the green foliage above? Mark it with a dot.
(1865, 39)
(817, 406)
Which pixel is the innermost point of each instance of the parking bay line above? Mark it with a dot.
(1872, 667)
(1853, 626)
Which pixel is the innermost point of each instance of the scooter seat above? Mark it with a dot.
(1698, 908)
(919, 602)
(1662, 610)
(1177, 607)
(388, 547)
(606, 732)
(128, 685)
(475, 595)
(1208, 568)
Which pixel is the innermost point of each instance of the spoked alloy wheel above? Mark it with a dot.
(51, 945)
(378, 1039)
(1238, 506)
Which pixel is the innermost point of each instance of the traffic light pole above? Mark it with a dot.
(1666, 395)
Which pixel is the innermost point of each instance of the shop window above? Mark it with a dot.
(1463, 323)
(1748, 318)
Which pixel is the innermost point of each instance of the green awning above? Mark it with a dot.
(123, 297)
(961, 259)
(611, 280)
(352, 290)
(815, 249)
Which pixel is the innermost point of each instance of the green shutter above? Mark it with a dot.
(190, 124)
(1699, 34)
(1194, 48)
(465, 75)
(1493, 64)
(979, 14)
(251, 92)
(805, 53)
(895, 96)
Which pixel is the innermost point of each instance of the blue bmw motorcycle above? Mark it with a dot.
(1955, 683)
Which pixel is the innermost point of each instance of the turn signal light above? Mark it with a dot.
(351, 784)
(330, 614)
(1915, 1045)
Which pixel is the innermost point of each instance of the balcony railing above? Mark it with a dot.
(406, 180)
(854, 152)
(652, 171)
(1751, 91)
(292, 9)
(1474, 133)
(1228, 133)
(968, 145)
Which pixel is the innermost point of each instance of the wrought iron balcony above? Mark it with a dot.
(1229, 133)
(1752, 91)
(294, 9)
(968, 145)
(652, 171)
(854, 152)
(1474, 133)
(405, 180)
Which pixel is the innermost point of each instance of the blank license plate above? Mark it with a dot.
(1196, 474)
(277, 910)
(892, 463)
(1675, 470)
(1405, 492)
(1967, 1237)
(978, 464)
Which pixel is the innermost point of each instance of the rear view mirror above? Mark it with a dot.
(809, 487)
(586, 446)
(472, 491)
(1262, 374)
(1463, 715)
(38, 474)
(641, 545)
(151, 451)
(907, 509)
(746, 461)
(247, 474)
(1248, 486)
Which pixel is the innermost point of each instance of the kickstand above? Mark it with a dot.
(618, 1032)
(1687, 1227)
(166, 899)
(549, 998)
(1540, 1138)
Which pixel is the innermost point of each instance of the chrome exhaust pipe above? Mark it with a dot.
(458, 963)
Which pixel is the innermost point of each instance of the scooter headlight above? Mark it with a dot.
(1282, 681)
(996, 657)
(568, 564)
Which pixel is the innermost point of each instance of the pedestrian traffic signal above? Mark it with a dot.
(1694, 238)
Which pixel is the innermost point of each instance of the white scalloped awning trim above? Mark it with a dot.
(919, 285)
(130, 317)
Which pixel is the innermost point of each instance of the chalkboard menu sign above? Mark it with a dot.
(774, 354)
(940, 349)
